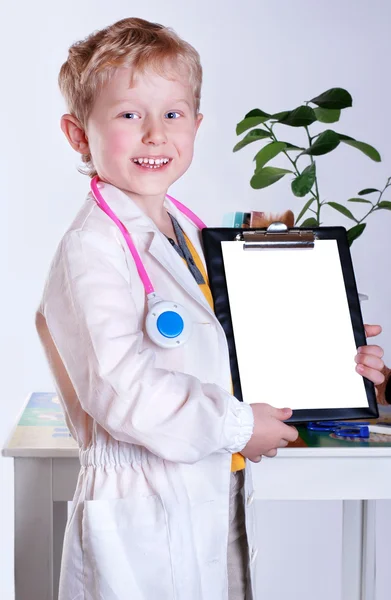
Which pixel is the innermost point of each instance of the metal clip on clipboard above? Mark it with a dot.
(277, 235)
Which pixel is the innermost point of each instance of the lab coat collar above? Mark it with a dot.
(138, 223)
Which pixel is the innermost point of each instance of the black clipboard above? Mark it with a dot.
(278, 238)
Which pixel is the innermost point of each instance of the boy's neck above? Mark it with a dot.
(152, 207)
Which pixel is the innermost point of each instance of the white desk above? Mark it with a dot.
(46, 470)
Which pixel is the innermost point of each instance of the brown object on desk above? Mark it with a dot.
(261, 219)
(381, 389)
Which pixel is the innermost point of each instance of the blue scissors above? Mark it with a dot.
(342, 429)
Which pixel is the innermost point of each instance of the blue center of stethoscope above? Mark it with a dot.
(170, 324)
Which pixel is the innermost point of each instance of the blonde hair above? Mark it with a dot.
(134, 43)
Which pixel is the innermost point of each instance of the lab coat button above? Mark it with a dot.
(250, 498)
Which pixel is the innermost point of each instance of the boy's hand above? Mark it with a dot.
(270, 432)
(369, 358)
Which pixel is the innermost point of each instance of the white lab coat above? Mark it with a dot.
(156, 428)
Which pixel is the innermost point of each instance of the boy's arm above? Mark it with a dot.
(92, 319)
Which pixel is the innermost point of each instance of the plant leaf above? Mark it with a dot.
(267, 153)
(335, 98)
(311, 222)
(365, 148)
(355, 232)
(327, 115)
(300, 117)
(305, 208)
(267, 176)
(281, 115)
(248, 123)
(359, 200)
(292, 147)
(367, 191)
(252, 136)
(342, 209)
(324, 143)
(304, 182)
(257, 112)
(385, 204)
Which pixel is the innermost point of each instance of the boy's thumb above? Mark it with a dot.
(285, 413)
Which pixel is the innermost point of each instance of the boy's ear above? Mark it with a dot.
(199, 118)
(75, 134)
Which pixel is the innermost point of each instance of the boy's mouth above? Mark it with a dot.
(152, 163)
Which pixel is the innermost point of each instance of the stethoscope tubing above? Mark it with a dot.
(167, 323)
(147, 283)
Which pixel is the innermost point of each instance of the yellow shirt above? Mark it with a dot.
(238, 461)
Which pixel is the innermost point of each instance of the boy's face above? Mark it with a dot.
(154, 119)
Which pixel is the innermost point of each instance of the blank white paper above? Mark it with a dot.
(292, 327)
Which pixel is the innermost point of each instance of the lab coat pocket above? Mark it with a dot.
(126, 549)
(209, 534)
(204, 518)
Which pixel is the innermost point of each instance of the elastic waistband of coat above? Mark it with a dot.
(115, 453)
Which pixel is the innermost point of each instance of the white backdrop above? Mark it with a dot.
(255, 53)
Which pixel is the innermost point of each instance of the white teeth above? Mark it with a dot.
(150, 162)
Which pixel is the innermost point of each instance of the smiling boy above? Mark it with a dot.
(164, 502)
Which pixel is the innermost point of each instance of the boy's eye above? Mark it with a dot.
(172, 114)
(130, 116)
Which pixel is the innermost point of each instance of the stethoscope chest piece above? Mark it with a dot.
(168, 324)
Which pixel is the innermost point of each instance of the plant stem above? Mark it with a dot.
(316, 179)
(375, 206)
(270, 129)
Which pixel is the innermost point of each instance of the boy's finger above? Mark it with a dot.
(371, 349)
(372, 330)
(290, 433)
(372, 374)
(369, 360)
(283, 413)
(256, 459)
(271, 453)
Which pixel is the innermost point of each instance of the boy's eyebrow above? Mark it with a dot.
(125, 100)
(182, 100)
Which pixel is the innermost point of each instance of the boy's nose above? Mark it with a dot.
(154, 134)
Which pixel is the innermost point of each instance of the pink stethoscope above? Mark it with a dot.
(168, 324)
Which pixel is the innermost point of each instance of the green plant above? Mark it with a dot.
(357, 229)
(327, 109)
